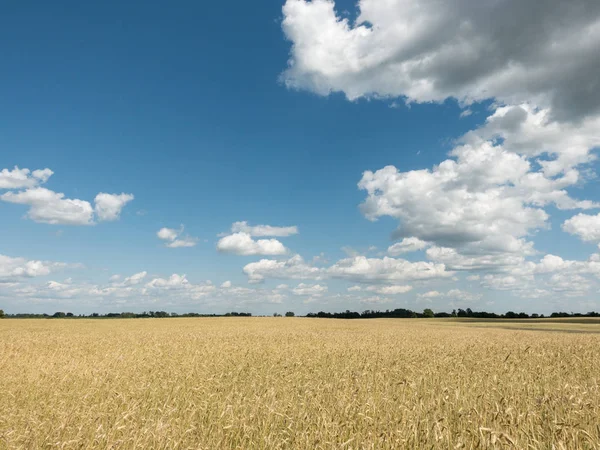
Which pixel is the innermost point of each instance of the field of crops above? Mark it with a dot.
(221, 383)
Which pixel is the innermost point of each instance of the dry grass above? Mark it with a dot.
(294, 383)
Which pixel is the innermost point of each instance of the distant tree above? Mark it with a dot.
(2, 314)
(289, 314)
(453, 313)
(428, 313)
(276, 315)
(69, 314)
(59, 315)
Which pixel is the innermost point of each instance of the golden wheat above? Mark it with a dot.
(270, 383)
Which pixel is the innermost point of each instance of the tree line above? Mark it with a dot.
(428, 313)
(399, 313)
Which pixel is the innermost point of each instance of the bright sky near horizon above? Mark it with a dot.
(303, 156)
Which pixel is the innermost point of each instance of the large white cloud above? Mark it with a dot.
(312, 290)
(363, 269)
(407, 245)
(47, 206)
(175, 238)
(293, 268)
(135, 278)
(22, 268)
(23, 178)
(51, 207)
(390, 290)
(263, 230)
(480, 209)
(357, 269)
(513, 51)
(585, 226)
(530, 131)
(242, 244)
(108, 206)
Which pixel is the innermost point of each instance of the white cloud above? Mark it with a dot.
(175, 281)
(478, 210)
(108, 206)
(293, 268)
(263, 230)
(22, 268)
(47, 206)
(431, 50)
(458, 296)
(389, 290)
(167, 234)
(23, 178)
(530, 131)
(242, 244)
(375, 300)
(354, 289)
(409, 244)
(176, 238)
(463, 296)
(226, 284)
(484, 197)
(357, 269)
(585, 226)
(363, 269)
(135, 279)
(314, 290)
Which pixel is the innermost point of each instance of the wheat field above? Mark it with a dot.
(268, 383)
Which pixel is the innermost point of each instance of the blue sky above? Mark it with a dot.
(271, 113)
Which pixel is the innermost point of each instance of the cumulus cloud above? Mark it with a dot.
(175, 281)
(51, 207)
(487, 196)
(586, 227)
(530, 131)
(135, 279)
(23, 178)
(428, 51)
(175, 238)
(407, 245)
(363, 269)
(12, 268)
(314, 290)
(263, 230)
(457, 297)
(293, 268)
(47, 206)
(375, 300)
(108, 206)
(389, 290)
(479, 209)
(242, 244)
(226, 284)
(358, 269)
